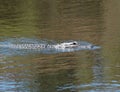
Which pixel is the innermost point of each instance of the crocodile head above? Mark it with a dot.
(67, 45)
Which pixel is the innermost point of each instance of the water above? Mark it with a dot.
(93, 21)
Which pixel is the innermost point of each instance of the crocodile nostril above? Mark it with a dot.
(92, 46)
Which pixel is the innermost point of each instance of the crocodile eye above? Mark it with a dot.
(74, 43)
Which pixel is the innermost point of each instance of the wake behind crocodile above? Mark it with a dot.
(25, 45)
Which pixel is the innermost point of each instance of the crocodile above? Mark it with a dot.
(64, 45)
(33, 46)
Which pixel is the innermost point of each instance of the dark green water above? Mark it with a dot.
(94, 21)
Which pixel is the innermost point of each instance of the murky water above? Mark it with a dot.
(93, 21)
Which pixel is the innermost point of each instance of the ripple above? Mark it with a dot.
(92, 87)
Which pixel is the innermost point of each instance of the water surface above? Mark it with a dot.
(93, 21)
